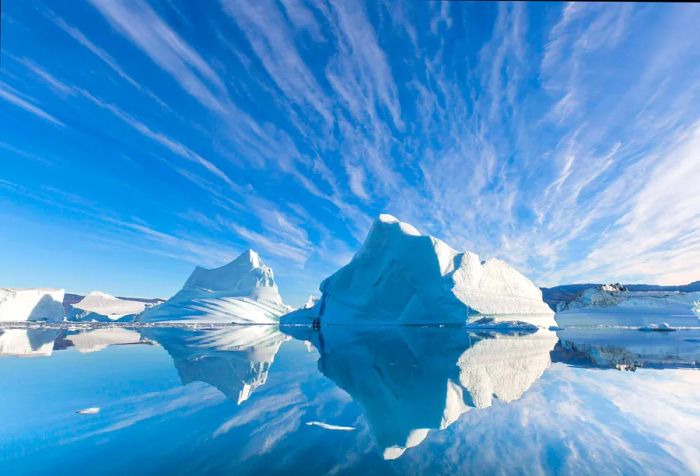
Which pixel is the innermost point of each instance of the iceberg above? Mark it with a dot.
(622, 297)
(618, 305)
(400, 276)
(241, 292)
(31, 304)
(99, 306)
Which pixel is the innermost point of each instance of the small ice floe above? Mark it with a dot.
(89, 411)
(328, 426)
(489, 323)
(663, 327)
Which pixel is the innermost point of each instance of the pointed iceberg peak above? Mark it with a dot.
(245, 276)
(385, 220)
(250, 256)
(99, 294)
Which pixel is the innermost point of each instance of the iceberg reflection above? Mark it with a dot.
(409, 380)
(235, 360)
(28, 342)
(628, 349)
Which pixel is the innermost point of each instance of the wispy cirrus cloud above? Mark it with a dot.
(531, 132)
(14, 97)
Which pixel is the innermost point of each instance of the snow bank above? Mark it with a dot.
(101, 306)
(31, 304)
(400, 276)
(241, 292)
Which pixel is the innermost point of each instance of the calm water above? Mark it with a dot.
(246, 400)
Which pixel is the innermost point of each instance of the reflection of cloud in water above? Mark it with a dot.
(578, 421)
(410, 380)
(233, 359)
(28, 342)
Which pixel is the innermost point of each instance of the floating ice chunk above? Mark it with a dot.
(491, 323)
(663, 327)
(328, 426)
(89, 411)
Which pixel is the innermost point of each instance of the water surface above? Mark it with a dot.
(375, 400)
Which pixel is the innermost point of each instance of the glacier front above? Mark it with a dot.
(400, 276)
(241, 292)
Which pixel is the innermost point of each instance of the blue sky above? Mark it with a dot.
(141, 138)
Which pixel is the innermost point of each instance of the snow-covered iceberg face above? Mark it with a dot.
(235, 360)
(246, 276)
(400, 276)
(31, 304)
(410, 380)
(242, 292)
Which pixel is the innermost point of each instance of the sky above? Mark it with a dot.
(139, 139)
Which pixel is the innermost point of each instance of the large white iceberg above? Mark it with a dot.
(242, 292)
(101, 306)
(31, 304)
(400, 276)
